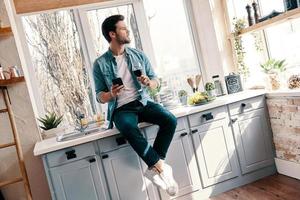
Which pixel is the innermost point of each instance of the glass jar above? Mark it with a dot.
(218, 85)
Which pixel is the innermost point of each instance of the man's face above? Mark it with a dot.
(122, 33)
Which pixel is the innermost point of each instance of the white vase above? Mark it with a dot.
(52, 132)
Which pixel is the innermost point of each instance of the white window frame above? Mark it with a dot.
(87, 47)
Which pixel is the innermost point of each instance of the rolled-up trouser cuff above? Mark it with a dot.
(151, 157)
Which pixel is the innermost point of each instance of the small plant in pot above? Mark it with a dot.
(50, 123)
(210, 89)
(273, 68)
(182, 94)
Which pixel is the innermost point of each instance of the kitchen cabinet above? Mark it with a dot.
(124, 175)
(215, 150)
(253, 140)
(181, 157)
(78, 180)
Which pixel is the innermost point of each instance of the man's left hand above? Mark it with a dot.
(145, 80)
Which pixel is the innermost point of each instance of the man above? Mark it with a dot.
(129, 103)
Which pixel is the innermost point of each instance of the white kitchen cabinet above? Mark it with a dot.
(124, 175)
(215, 151)
(78, 180)
(181, 158)
(253, 140)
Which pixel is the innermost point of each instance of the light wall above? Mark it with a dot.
(26, 126)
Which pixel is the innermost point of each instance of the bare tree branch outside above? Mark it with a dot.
(59, 65)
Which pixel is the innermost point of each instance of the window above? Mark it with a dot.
(281, 40)
(172, 41)
(58, 63)
(64, 44)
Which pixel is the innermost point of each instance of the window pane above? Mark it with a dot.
(58, 63)
(172, 42)
(96, 17)
(284, 43)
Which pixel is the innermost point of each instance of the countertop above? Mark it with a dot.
(50, 145)
(284, 93)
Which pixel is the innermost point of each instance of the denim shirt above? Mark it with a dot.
(105, 69)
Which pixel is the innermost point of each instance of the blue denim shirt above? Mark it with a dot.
(105, 70)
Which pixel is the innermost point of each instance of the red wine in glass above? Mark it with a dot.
(137, 72)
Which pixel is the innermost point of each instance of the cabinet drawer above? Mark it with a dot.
(151, 131)
(112, 143)
(246, 105)
(70, 154)
(207, 116)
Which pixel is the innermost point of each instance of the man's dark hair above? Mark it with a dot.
(109, 25)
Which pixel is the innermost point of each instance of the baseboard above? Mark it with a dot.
(288, 168)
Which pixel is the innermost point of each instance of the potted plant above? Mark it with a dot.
(182, 94)
(49, 124)
(273, 68)
(210, 89)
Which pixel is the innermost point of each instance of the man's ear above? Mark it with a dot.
(112, 34)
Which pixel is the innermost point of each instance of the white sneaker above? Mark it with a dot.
(154, 177)
(167, 177)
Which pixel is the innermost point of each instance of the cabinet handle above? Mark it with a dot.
(120, 141)
(243, 105)
(71, 154)
(194, 131)
(208, 116)
(234, 120)
(183, 134)
(105, 156)
(92, 160)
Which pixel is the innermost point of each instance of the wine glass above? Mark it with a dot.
(137, 69)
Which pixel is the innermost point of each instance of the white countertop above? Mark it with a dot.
(284, 93)
(49, 145)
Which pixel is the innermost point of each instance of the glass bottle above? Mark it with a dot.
(218, 85)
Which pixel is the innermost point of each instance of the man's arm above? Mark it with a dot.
(150, 79)
(103, 94)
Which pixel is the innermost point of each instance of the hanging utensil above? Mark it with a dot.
(191, 83)
(197, 81)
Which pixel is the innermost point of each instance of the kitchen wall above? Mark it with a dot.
(285, 121)
(27, 128)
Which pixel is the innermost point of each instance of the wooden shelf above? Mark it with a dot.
(292, 14)
(5, 31)
(11, 81)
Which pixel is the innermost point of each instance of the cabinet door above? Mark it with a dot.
(125, 175)
(182, 159)
(79, 180)
(253, 140)
(215, 152)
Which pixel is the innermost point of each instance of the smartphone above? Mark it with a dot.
(117, 81)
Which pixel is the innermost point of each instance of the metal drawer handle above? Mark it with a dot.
(243, 105)
(120, 141)
(92, 160)
(234, 120)
(71, 154)
(208, 116)
(194, 131)
(105, 156)
(183, 134)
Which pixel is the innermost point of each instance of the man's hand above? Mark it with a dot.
(145, 80)
(115, 90)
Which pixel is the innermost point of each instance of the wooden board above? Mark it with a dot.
(11, 81)
(292, 14)
(5, 31)
(28, 6)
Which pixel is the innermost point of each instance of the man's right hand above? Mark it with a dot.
(115, 90)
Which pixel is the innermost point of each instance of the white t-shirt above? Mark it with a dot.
(129, 93)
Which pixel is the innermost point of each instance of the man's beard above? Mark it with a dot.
(123, 40)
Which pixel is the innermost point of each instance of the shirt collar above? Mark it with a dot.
(111, 55)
